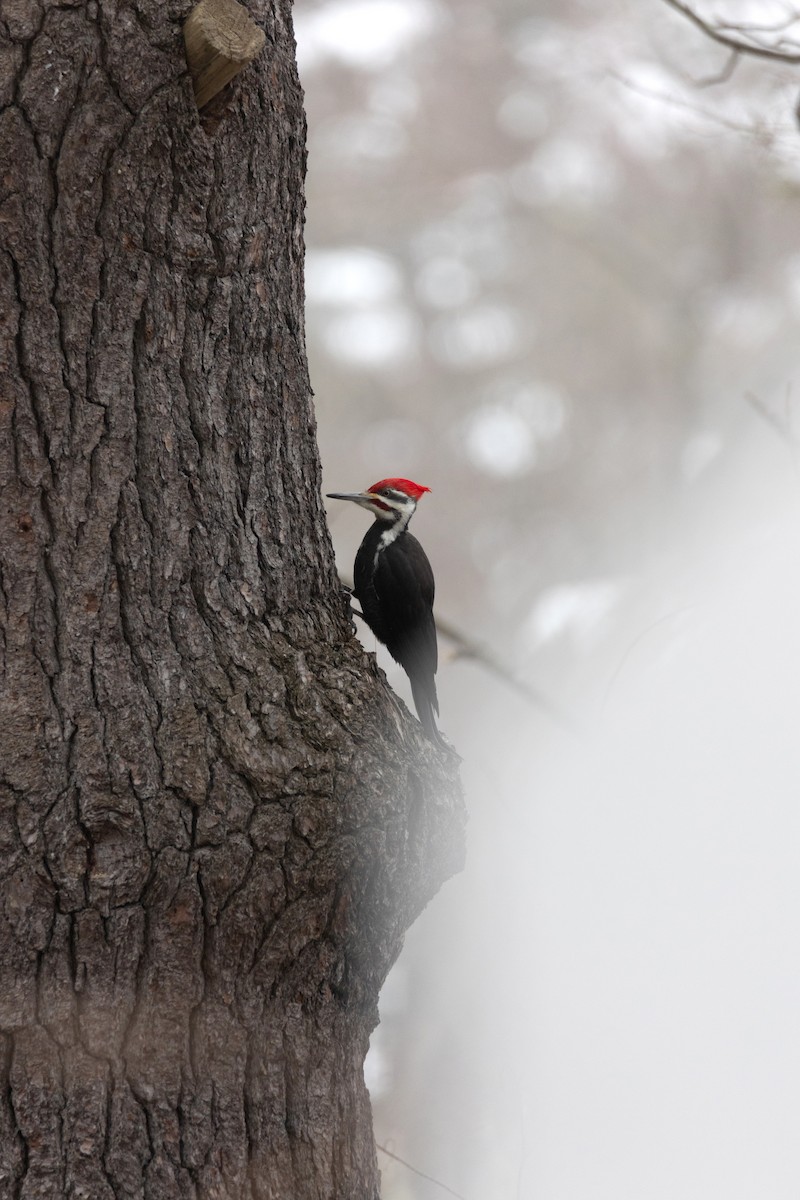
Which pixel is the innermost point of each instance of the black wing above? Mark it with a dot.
(397, 600)
(395, 588)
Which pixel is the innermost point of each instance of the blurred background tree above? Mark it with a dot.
(554, 274)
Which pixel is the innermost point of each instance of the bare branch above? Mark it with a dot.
(465, 647)
(757, 27)
(739, 44)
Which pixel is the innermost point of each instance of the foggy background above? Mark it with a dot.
(556, 281)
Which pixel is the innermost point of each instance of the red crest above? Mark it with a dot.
(414, 490)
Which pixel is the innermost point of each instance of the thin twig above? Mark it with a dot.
(678, 612)
(421, 1174)
(684, 105)
(781, 425)
(721, 76)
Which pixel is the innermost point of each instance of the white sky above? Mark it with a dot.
(636, 888)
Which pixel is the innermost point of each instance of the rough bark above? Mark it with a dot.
(215, 823)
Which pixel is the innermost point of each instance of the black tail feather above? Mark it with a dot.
(426, 703)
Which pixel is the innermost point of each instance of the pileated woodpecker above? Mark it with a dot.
(393, 581)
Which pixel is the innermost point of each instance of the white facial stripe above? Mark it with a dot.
(397, 503)
(393, 532)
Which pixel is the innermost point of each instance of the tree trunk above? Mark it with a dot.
(215, 822)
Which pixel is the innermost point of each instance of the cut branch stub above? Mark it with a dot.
(221, 39)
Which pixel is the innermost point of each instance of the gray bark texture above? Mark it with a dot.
(215, 823)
